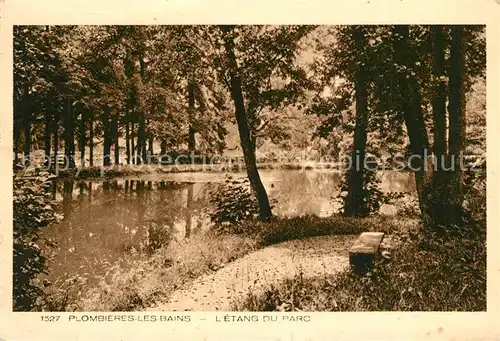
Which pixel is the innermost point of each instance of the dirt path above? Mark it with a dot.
(312, 256)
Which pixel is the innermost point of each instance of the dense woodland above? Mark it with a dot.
(110, 95)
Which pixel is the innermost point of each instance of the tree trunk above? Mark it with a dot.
(106, 136)
(244, 129)
(191, 102)
(456, 133)
(151, 149)
(83, 133)
(48, 136)
(439, 193)
(144, 150)
(163, 147)
(91, 140)
(115, 139)
(439, 98)
(69, 135)
(55, 131)
(412, 113)
(132, 134)
(127, 142)
(141, 141)
(355, 203)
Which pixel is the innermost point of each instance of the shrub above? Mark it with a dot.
(32, 210)
(234, 203)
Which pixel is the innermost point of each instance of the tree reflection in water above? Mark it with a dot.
(129, 219)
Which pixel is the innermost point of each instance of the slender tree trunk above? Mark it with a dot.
(115, 139)
(141, 141)
(91, 140)
(355, 204)
(244, 129)
(413, 116)
(127, 142)
(107, 140)
(191, 102)
(143, 150)
(163, 147)
(456, 133)
(439, 98)
(151, 149)
(48, 136)
(163, 151)
(132, 130)
(141, 144)
(55, 131)
(69, 135)
(83, 133)
(439, 193)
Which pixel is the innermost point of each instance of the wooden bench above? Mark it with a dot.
(364, 251)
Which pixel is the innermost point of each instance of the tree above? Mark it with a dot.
(354, 204)
(258, 66)
(247, 145)
(456, 132)
(409, 103)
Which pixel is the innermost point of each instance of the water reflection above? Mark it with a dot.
(121, 220)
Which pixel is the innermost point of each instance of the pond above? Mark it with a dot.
(114, 222)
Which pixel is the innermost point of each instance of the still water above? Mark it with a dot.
(113, 222)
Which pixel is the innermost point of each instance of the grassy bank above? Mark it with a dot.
(149, 282)
(447, 275)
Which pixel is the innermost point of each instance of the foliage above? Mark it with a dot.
(33, 209)
(373, 196)
(234, 203)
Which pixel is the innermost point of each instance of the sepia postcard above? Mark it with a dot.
(249, 171)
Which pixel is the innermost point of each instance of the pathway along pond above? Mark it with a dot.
(113, 223)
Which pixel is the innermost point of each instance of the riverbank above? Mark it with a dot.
(111, 172)
(152, 282)
(137, 170)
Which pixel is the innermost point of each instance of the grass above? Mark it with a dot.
(147, 282)
(445, 275)
(280, 230)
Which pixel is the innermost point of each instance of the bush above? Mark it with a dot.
(234, 203)
(32, 210)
